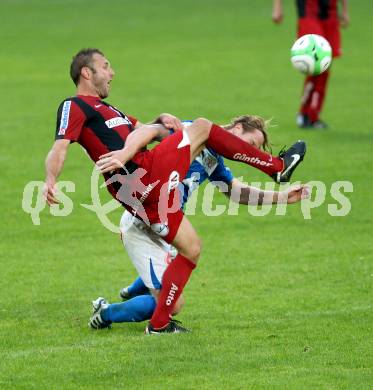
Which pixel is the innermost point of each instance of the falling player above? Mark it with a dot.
(151, 255)
(145, 181)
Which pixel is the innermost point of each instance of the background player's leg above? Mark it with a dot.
(305, 101)
(317, 96)
(313, 98)
(308, 25)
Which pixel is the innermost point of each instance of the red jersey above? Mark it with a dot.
(99, 128)
(320, 17)
(94, 124)
(146, 192)
(321, 9)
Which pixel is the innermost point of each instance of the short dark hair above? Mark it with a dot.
(80, 60)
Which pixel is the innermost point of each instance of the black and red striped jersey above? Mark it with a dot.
(94, 124)
(321, 9)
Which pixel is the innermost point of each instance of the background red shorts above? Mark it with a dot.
(328, 28)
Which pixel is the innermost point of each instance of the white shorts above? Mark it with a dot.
(148, 252)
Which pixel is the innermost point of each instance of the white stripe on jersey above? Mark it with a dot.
(65, 117)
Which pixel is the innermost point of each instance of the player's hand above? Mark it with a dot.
(50, 192)
(113, 160)
(171, 122)
(344, 19)
(277, 14)
(295, 193)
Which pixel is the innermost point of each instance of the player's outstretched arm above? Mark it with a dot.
(277, 13)
(135, 141)
(53, 167)
(294, 194)
(344, 16)
(244, 194)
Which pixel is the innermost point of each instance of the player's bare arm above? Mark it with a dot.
(163, 133)
(344, 16)
(135, 141)
(277, 13)
(169, 122)
(142, 136)
(53, 166)
(245, 194)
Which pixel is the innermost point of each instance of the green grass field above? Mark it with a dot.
(276, 301)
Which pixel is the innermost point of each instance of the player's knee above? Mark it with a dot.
(194, 251)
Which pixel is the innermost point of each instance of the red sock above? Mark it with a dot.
(234, 148)
(308, 88)
(313, 97)
(318, 96)
(174, 279)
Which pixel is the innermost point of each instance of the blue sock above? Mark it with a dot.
(136, 309)
(137, 288)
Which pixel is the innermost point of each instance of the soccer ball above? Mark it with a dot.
(311, 54)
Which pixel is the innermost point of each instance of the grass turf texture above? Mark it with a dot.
(276, 301)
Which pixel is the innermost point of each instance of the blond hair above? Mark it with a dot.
(249, 124)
